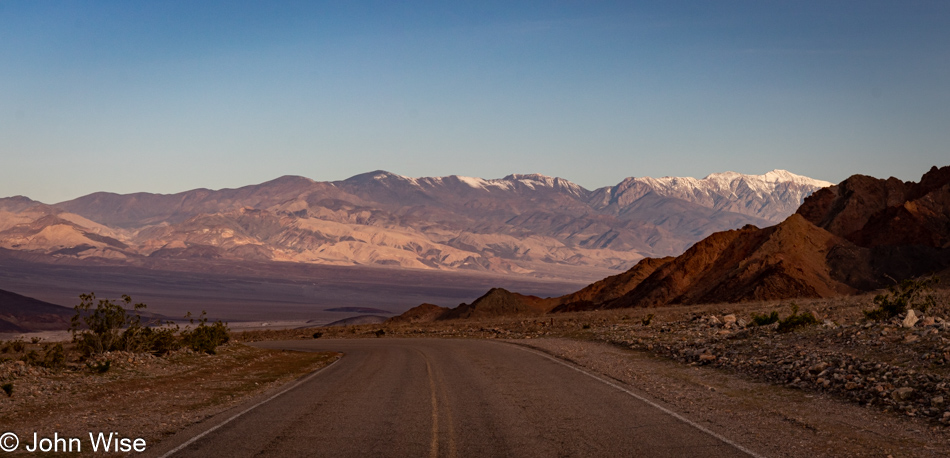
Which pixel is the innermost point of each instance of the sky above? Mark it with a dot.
(167, 96)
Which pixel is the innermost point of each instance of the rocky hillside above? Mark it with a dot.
(521, 224)
(609, 288)
(871, 212)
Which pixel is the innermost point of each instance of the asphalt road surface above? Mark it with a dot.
(448, 398)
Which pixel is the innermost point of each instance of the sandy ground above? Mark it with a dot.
(236, 326)
(142, 396)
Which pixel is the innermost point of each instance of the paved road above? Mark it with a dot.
(450, 398)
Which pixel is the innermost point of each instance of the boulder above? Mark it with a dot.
(910, 320)
(902, 394)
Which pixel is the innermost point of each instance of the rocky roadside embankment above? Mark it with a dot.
(898, 365)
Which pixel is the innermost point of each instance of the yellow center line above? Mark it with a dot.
(434, 447)
(448, 416)
(446, 411)
(437, 388)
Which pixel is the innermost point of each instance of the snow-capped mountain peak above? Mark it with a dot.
(533, 181)
(777, 176)
(771, 196)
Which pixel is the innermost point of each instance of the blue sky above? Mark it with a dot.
(168, 96)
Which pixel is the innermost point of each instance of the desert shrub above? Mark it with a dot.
(108, 326)
(7, 388)
(379, 332)
(35, 340)
(205, 338)
(647, 319)
(55, 356)
(910, 293)
(100, 368)
(317, 335)
(765, 320)
(163, 340)
(16, 346)
(796, 320)
(135, 338)
(32, 358)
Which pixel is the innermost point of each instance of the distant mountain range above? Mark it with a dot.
(862, 234)
(522, 224)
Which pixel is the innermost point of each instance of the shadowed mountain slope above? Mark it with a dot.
(872, 212)
(25, 314)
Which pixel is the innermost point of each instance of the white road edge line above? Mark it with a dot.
(641, 398)
(235, 416)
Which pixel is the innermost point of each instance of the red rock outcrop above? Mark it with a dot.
(780, 262)
(872, 212)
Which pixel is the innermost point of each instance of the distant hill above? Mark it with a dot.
(360, 319)
(499, 302)
(522, 224)
(496, 302)
(422, 313)
(25, 314)
(369, 310)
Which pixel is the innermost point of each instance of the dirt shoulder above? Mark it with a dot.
(142, 396)
(774, 421)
